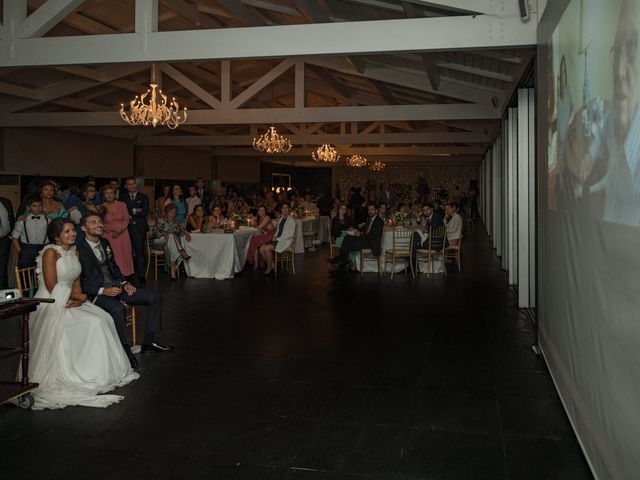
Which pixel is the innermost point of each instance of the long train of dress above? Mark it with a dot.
(75, 352)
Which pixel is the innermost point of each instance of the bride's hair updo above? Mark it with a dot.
(56, 227)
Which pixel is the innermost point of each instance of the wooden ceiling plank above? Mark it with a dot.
(191, 13)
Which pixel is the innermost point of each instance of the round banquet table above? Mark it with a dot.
(371, 265)
(218, 255)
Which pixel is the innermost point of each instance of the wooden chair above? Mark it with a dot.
(286, 257)
(402, 244)
(453, 252)
(27, 283)
(367, 254)
(310, 233)
(155, 256)
(434, 250)
(333, 248)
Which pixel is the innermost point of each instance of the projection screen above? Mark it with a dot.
(589, 222)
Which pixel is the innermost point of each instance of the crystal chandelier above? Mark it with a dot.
(377, 166)
(157, 110)
(272, 142)
(325, 153)
(356, 161)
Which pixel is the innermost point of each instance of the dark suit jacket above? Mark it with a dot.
(391, 200)
(7, 204)
(205, 198)
(374, 237)
(91, 278)
(436, 220)
(139, 220)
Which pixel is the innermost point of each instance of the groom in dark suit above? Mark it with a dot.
(138, 206)
(370, 237)
(105, 285)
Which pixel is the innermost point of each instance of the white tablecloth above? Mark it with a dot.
(371, 265)
(218, 255)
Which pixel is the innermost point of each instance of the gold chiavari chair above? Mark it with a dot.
(367, 254)
(435, 251)
(402, 243)
(154, 255)
(453, 252)
(287, 257)
(26, 281)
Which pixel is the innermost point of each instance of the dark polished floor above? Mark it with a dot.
(306, 377)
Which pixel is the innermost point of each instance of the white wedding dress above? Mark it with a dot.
(75, 352)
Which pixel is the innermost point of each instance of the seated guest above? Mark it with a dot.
(285, 231)
(216, 219)
(340, 224)
(29, 234)
(428, 219)
(454, 225)
(115, 218)
(176, 199)
(103, 283)
(437, 207)
(50, 206)
(193, 199)
(167, 235)
(370, 237)
(265, 225)
(383, 212)
(161, 198)
(308, 204)
(402, 208)
(197, 219)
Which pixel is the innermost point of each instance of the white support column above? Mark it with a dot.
(487, 193)
(505, 182)
(498, 205)
(512, 219)
(495, 190)
(532, 200)
(523, 198)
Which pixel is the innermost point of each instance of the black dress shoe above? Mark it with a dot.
(156, 347)
(142, 280)
(133, 361)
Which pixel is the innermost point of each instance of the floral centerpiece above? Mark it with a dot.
(400, 219)
(239, 218)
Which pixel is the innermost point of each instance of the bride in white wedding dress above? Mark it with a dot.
(75, 352)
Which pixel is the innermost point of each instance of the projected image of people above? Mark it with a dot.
(594, 166)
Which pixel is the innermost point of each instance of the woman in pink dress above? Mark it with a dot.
(115, 217)
(265, 225)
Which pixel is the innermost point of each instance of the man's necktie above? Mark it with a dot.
(99, 253)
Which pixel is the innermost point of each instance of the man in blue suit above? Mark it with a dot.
(138, 205)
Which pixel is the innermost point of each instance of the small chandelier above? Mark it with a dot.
(325, 153)
(356, 161)
(377, 166)
(155, 111)
(272, 142)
